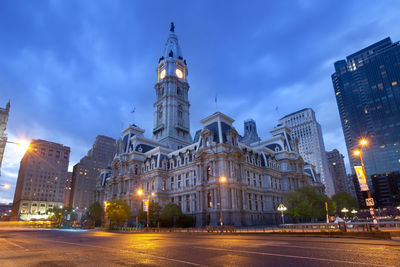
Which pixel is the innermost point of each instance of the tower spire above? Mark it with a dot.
(171, 108)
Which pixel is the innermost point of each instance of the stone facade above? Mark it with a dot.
(174, 168)
(4, 112)
(42, 179)
(338, 170)
(87, 170)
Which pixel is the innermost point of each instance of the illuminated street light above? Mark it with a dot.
(354, 211)
(363, 142)
(5, 186)
(221, 180)
(282, 208)
(24, 145)
(358, 152)
(344, 210)
(139, 192)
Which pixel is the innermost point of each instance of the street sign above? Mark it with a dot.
(362, 180)
(369, 202)
(145, 205)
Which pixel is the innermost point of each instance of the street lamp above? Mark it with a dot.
(5, 186)
(221, 180)
(354, 212)
(358, 152)
(139, 193)
(344, 210)
(282, 208)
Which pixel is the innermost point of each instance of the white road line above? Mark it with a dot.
(321, 248)
(14, 244)
(292, 256)
(125, 250)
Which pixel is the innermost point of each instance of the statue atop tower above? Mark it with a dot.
(171, 108)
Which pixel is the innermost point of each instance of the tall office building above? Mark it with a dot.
(68, 187)
(4, 112)
(41, 180)
(386, 189)
(338, 171)
(86, 172)
(308, 131)
(368, 97)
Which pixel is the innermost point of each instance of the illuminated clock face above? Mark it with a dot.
(162, 74)
(179, 73)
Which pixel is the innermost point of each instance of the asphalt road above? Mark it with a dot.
(97, 248)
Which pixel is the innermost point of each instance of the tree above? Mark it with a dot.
(154, 213)
(95, 213)
(306, 204)
(344, 200)
(62, 216)
(118, 212)
(170, 214)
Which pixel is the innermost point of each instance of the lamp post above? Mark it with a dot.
(358, 152)
(354, 212)
(282, 208)
(221, 180)
(24, 146)
(344, 210)
(140, 192)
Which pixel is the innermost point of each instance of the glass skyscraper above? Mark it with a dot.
(368, 97)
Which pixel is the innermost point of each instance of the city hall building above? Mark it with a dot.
(174, 167)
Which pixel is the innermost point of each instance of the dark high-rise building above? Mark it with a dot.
(368, 98)
(337, 170)
(41, 180)
(86, 172)
(386, 188)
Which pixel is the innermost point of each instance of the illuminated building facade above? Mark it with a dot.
(308, 132)
(41, 180)
(180, 170)
(367, 89)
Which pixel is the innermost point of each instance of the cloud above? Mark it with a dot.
(76, 69)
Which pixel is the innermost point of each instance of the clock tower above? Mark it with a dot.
(171, 108)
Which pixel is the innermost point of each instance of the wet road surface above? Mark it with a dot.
(98, 248)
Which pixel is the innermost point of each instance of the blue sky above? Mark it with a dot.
(75, 69)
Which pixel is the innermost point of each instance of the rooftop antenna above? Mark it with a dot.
(216, 102)
(133, 115)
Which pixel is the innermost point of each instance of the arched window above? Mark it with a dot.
(208, 173)
(178, 91)
(159, 112)
(180, 112)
